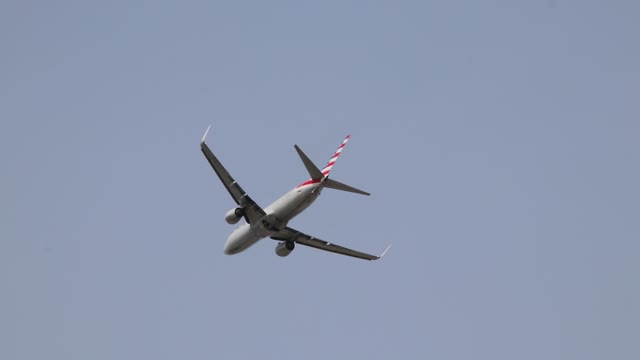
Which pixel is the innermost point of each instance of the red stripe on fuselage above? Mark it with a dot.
(309, 182)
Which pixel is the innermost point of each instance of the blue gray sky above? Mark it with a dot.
(499, 140)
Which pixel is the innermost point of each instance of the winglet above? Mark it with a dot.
(384, 252)
(205, 135)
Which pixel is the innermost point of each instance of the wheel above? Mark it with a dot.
(239, 212)
(290, 245)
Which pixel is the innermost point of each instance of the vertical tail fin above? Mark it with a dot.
(318, 175)
(334, 158)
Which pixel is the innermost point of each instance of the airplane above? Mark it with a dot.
(273, 220)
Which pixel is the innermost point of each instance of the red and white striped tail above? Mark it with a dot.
(334, 158)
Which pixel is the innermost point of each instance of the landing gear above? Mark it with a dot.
(239, 212)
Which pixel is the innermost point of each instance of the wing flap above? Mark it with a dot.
(253, 212)
(289, 234)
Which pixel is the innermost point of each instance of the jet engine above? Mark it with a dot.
(234, 215)
(285, 248)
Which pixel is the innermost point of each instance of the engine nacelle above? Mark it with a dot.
(234, 215)
(285, 248)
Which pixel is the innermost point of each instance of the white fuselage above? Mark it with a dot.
(279, 213)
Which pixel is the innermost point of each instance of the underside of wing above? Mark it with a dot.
(252, 211)
(289, 234)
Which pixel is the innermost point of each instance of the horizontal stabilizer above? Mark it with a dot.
(313, 170)
(332, 184)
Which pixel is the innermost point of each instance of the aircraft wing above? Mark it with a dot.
(252, 211)
(289, 234)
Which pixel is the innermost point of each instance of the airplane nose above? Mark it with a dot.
(239, 240)
(231, 246)
(228, 250)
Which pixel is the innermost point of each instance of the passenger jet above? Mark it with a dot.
(273, 220)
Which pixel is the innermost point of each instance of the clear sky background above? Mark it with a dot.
(499, 140)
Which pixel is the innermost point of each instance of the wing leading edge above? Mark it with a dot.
(252, 211)
(289, 234)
